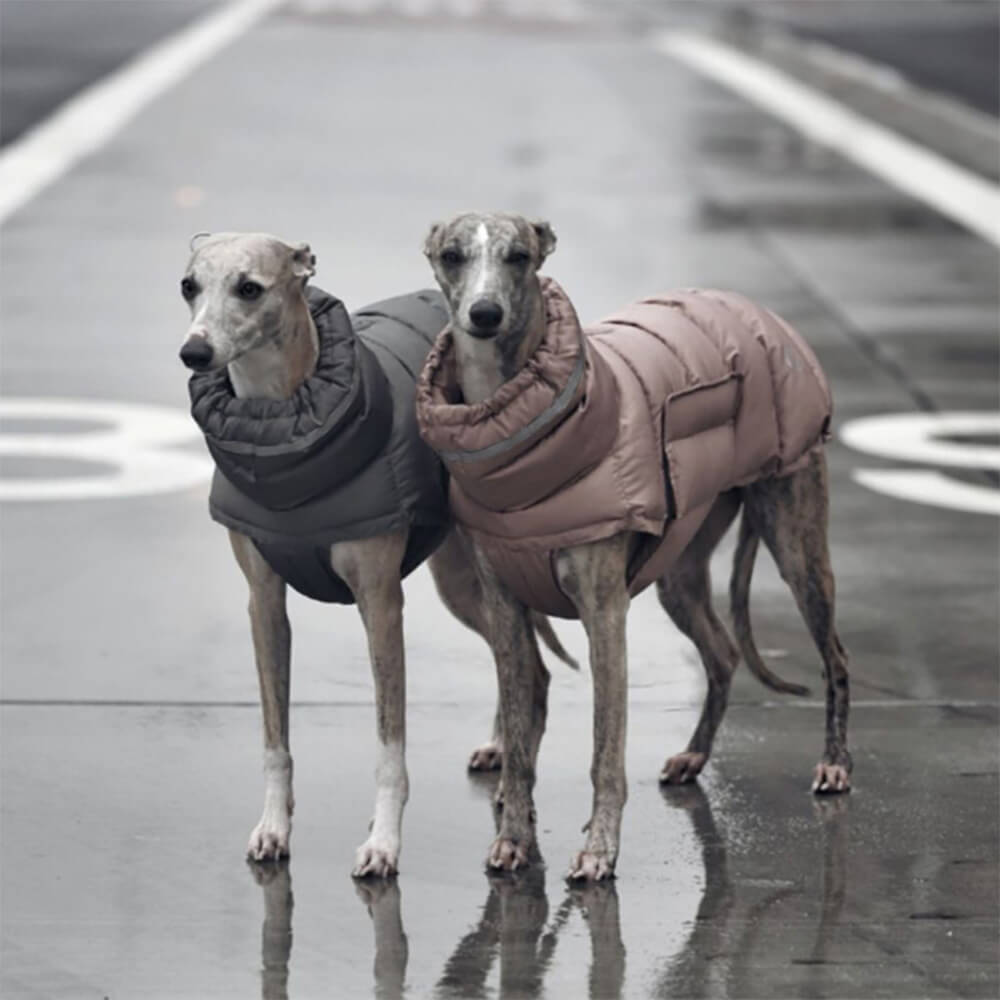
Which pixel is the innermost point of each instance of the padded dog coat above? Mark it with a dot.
(635, 424)
(341, 459)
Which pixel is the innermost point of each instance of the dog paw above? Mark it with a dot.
(488, 757)
(508, 854)
(831, 779)
(591, 866)
(269, 840)
(376, 859)
(682, 768)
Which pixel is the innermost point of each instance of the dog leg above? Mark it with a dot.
(522, 718)
(272, 639)
(371, 569)
(791, 515)
(461, 593)
(685, 592)
(593, 576)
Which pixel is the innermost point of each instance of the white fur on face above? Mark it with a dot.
(482, 239)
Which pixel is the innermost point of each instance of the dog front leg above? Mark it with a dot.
(272, 645)
(594, 578)
(371, 569)
(516, 653)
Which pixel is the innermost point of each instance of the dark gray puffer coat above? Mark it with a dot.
(342, 459)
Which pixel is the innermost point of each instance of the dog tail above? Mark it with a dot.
(545, 631)
(739, 602)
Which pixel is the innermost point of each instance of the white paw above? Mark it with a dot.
(377, 857)
(269, 840)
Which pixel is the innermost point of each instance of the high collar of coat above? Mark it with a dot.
(562, 387)
(281, 452)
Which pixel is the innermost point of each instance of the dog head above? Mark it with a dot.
(240, 288)
(487, 266)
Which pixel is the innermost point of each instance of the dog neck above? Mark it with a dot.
(482, 366)
(277, 368)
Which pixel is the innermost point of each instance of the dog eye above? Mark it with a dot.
(249, 290)
(188, 289)
(451, 257)
(518, 256)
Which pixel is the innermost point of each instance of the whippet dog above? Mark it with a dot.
(249, 314)
(487, 266)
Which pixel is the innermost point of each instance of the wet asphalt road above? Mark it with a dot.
(130, 731)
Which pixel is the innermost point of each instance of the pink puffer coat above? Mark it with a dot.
(634, 424)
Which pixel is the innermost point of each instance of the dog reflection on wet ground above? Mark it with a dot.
(276, 931)
(718, 957)
(514, 927)
(517, 932)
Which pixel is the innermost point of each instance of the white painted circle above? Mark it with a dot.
(135, 443)
(917, 437)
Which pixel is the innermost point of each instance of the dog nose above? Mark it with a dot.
(486, 314)
(196, 353)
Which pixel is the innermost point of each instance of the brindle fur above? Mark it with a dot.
(270, 346)
(477, 257)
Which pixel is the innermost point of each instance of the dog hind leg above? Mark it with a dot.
(460, 591)
(790, 514)
(272, 640)
(685, 592)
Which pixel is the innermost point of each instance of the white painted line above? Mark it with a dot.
(931, 488)
(87, 121)
(134, 439)
(959, 194)
(923, 437)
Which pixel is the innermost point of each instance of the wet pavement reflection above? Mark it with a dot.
(516, 933)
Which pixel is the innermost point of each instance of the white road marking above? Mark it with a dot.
(931, 488)
(564, 11)
(135, 445)
(964, 197)
(88, 120)
(917, 437)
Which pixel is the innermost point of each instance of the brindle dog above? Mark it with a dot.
(486, 265)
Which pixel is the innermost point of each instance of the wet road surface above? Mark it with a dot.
(130, 730)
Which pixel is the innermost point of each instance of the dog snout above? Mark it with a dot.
(197, 353)
(486, 315)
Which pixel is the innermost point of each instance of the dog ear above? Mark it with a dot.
(431, 239)
(546, 239)
(196, 240)
(303, 262)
